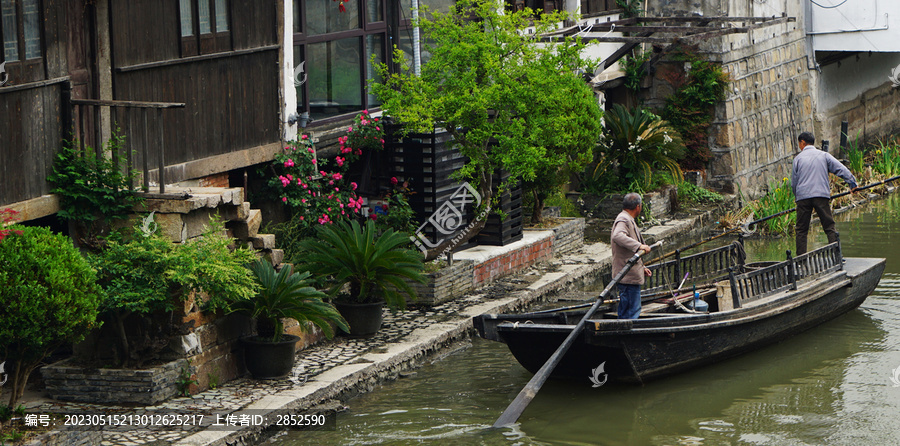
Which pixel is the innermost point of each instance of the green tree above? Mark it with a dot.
(49, 297)
(494, 89)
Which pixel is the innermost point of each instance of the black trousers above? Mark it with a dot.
(804, 214)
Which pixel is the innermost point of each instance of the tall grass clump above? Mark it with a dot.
(780, 197)
(887, 159)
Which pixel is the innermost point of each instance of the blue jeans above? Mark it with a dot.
(629, 301)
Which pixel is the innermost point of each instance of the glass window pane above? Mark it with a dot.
(405, 45)
(205, 19)
(374, 47)
(187, 18)
(298, 24)
(221, 16)
(32, 21)
(335, 77)
(10, 38)
(375, 10)
(300, 79)
(324, 17)
(442, 6)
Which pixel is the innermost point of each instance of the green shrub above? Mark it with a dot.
(689, 193)
(150, 275)
(637, 143)
(49, 297)
(779, 198)
(92, 191)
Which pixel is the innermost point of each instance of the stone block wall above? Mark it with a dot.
(445, 284)
(67, 382)
(567, 237)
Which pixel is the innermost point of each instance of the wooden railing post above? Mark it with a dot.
(792, 276)
(735, 293)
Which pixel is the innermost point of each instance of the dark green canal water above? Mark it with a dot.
(830, 385)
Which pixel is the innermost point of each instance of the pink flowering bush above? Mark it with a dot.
(316, 192)
(366, 133)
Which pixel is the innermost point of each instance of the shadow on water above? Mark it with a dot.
(830, 385)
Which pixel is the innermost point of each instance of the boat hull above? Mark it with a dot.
(645, 349)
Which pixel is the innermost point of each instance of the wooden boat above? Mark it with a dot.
(752, 305)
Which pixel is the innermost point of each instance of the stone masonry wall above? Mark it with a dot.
(67, 382)
(446, 283)
(769, 100)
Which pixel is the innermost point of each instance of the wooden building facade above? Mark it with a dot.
(220, 58)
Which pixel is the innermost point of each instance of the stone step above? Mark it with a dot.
(262, 241)
(235, 213)
(244, 230)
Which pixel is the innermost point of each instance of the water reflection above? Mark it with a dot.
(830, 385)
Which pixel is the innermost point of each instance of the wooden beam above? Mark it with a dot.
(621, 52)
(132, 104)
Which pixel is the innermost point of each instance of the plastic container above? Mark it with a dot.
(699, 304)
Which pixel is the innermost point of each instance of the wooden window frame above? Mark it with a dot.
(365, 29)
(24, 70)
(213, 42)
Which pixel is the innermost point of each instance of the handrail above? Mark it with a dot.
(144, 107)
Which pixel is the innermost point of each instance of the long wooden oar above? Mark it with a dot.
(747, 226)
(515, 409)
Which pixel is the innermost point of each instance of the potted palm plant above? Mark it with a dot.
(285, 294)
(372, 266)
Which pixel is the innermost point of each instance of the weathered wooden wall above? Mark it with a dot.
(30, 123)
(231, 98)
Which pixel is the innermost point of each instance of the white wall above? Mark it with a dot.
(854, 25)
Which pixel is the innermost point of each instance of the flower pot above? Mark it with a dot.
(269, 360)
(364, 318)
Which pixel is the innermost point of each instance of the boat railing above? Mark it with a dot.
(763, 282)
(703, 266)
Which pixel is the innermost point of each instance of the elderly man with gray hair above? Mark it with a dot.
(625, 241)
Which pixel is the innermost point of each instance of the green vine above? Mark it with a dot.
(632, 8)
(635, 69)
(690, 109)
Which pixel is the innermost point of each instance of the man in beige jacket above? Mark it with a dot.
(625, 241)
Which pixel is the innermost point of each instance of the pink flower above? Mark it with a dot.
(322, 172)
(359, 151)
(375, 119)
(377, 128)
(302, 218)
(373, 217)
(394, 181)
(337, 176)
(310, 150)
(353, 185)
(363, 122)
(350, 129)
(331, 182)
(290, 177)
(303, 200)
(284, 181)
(304, 137)
(339, 161)
(382, 142)
(337, 189)
(284, 199)
(289, 163)
(346, 149)
(300, 183)
(329, 209)
(313, 160)
(342, 205)
(366, 112)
